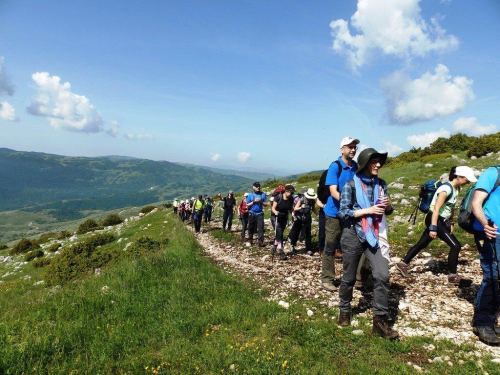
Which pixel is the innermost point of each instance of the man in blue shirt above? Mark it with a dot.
(488, 243)
(336, 178)
(255, 203)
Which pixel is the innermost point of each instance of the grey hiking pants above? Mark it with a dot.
(352, 249)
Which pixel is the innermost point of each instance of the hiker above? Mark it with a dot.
(439, 223)
(255, 203)
(273, 217)
(243, 215)
(187, 210)
(321, 225)
(209, 205)
(182, 213)
(229, 207)
(300, 196)
(282, 205)
(175, 205)
(339, 172)
(198, 208)
(303, 209)
(363, 205)
(488, 244)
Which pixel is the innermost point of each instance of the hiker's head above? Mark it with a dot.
(302, 192)
(200, 197)
(230, 194)
(256, 186)
(245, 195)
(310, 194)
(463, 173)
(348, 147)
(370, 161)
(289, 190)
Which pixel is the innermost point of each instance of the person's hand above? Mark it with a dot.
(451, 228)
(386, 202)
(490, 231)
(433, 234)
(376, 209)
(258, 199)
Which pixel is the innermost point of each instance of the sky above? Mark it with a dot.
(262, 85)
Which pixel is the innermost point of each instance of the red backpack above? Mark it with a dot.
(279, 190)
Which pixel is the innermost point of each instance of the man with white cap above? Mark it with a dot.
(339, 172)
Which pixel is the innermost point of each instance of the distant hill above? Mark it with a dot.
(70, 185)
(256, 176)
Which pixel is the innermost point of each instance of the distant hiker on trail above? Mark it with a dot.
(273, 217)
(486, 209)
(198, 208)
(303, 209)
(187, 211)
(282, 206)
(175, 205)
(182, 211)
(243, 215)
(439, 223)
(363, 205)
(321, 225)
(229, 208)
(339, 172)
(255, 202)
(209, 206)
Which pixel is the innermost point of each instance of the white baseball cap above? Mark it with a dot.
(245, 195)
(347, 141)
(466, 172)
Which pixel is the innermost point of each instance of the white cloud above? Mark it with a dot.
(7, 112)
(470, 126)
(390, 27)
(243, 156)
(392, 150)
(216, 157)
(424, 140)
(114, 129)
(425, 98)
(63, 109)
(139, 137)
(6, 85)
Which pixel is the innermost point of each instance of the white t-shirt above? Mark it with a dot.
(447, 208)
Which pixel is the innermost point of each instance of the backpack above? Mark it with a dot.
(323, 189)
(279, 190)
(466, 217)
(427, 191)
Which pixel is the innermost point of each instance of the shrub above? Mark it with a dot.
(41, 262)
(145, 245)
(309, 177)
(168, 205)
(63, 234)
(45, 237)
(38, 253)
(89, 225)
(147, 209)
(23, 246)
(3, 247)
(112, 219)
(484, 145)
(76, 260)
(54, 247)
(431, 158)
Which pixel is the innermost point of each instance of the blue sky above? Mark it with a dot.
(246, 84)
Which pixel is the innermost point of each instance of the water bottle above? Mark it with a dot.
(381, 196)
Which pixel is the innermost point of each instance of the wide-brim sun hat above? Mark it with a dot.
(310, 194)
(466, 172)
(370, 153)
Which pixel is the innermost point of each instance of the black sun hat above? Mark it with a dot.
(370, 153)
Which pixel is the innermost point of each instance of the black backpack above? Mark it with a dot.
(323, 189)
(466, 217)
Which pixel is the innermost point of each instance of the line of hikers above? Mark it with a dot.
(352, 203)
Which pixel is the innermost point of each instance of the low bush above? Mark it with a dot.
(147, 209)
(38, 253)
(112, 219)
(89, 225)
(46, 237)
(63, 234)
(484, 145)
(79, 259)
(309, 177)
(146, 244)
(3, 247)
(54, 247)
(431, 158)
(24, 246)
(41, 262)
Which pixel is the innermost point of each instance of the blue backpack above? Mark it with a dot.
(427, 191)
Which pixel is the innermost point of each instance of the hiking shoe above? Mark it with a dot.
(459, 280)
(329, 287)
(403, 269)
(487, 335)
(382, 329)
(338, 253)
(293, 252)
(282, 255)
(344, 319)
(261, 244)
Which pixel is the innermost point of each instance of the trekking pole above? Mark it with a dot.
(414, 212)
(495, 259)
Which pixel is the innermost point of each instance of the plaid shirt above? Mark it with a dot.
(347, 209)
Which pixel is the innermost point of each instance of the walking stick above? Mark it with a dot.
(495, 259)
(415, 212)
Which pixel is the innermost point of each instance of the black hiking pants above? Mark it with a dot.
(244, 224)
(303, 223)
(256, 224)
(227, 218)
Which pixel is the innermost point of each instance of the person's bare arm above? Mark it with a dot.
(477, 209)
(334, 192)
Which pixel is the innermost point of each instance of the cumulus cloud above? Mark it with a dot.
(243, 156)
(6, 85)
(392, 150)
(390, 27)
(425, 98)
(470, 126)
(114, 129)
(139, 137)
(216, 157)
(424, 140)
(64, 109)
(7, 112)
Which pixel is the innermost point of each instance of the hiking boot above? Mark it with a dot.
(273, 250)
(261, 244)
(381, 328)
(293, 252)
(487, 335)
(459, 280)
(282, 255)
(403, 269)
(329, 286)
(344, 319)
(338, 253)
